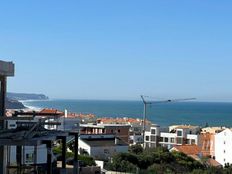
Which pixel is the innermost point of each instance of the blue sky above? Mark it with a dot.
(101, 49)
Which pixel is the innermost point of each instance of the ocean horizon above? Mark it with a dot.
(164, 114)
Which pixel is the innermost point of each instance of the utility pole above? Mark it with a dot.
(6, 70)
(155, 102)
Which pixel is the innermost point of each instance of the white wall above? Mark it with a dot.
(105, 152)
(223, 147)
(41, 154)
(82, 145)
(193, 137)
(102, 152)
(136, 138)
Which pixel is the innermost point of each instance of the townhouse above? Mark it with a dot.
(175, 135)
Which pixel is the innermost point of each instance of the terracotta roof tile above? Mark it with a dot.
(188, 149)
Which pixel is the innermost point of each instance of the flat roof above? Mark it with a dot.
(97, 142)
(184, 126)
(104, 125)
(6, 68)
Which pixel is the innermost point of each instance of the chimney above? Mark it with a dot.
(65, 113)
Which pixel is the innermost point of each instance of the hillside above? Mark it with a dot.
(14, 104)
(25, 96)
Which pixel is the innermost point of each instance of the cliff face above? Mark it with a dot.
(12, 100)
(24, 96)
(14, 104)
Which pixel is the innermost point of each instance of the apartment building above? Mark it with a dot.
(207, 140)
(118, 130)
(223, 147)
(152, 136)
(175, 135)
(135, 131)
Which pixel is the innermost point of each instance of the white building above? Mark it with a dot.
(176, 135)
(152, 136)
(101, 146)
(223, 147)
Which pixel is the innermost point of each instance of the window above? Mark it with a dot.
(188, 141)
(179, 141)
(172, 140)
(193, 141)
(165, 139)
(153, 138)
(106, 151)
(29, 157)
(179, 133)
(118, 130)
(153, 145)
(153, 131)
(12, 125)
(147, 138)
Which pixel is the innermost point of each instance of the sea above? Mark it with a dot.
(164, 114)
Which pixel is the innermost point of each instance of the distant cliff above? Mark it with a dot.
(14, 104)
(24, 96)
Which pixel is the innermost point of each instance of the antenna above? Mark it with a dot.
(155, 102)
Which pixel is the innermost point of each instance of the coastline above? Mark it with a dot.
(30, 107)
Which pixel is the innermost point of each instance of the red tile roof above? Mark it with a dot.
(124, 120)
(51, 111)
(213, 162)
(188, 149)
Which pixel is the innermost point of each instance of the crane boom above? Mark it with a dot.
(155, 102)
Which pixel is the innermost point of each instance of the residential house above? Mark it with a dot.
(118, 130)
(101, 147)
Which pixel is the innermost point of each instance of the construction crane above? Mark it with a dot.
(155, 102)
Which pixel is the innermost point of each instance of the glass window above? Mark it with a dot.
(153, 145)
(166, 139)
(153, 131)
(179, 133)
(29, 157)
(193, 141)
(106, 151)
(179, 140)
(147, 138)
(172, 140)
(153, 138)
